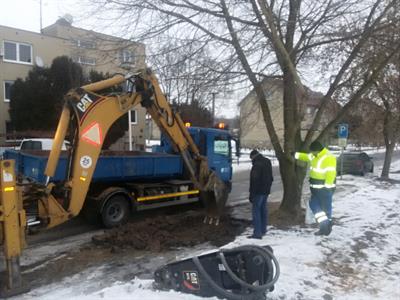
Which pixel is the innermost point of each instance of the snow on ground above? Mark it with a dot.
(359, 260)
(40, 253)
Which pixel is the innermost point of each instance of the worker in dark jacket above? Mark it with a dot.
(260, 186)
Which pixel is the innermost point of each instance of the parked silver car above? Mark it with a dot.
(357, 163)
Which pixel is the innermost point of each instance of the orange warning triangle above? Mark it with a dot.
(92, 134)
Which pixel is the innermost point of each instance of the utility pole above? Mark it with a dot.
(213, 106)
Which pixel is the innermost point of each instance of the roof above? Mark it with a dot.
(313, 99)
(64, 23)
(264, 82)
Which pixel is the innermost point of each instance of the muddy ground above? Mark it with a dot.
(170, 232)
(135, 245)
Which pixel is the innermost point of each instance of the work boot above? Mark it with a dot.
(324, 228)
(254, 237)
(329, 228)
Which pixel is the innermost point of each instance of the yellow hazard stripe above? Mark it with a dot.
(170, 195)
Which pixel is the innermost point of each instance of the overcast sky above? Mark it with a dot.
(25, 14)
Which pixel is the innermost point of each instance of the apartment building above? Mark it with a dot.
(20, 50)
(253, 131)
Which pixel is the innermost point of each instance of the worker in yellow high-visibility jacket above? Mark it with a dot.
(322, 184)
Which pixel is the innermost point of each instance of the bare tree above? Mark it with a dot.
(388, 92)
(385, 92)
(187, 72)
(366, 123)
(286, 38)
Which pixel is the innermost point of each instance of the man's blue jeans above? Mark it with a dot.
(321, 200)
(260, 214)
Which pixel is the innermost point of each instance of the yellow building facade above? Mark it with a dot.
(21, 50)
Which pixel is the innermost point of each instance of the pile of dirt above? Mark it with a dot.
(170, 232)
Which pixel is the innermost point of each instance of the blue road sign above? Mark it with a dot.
(343, 131)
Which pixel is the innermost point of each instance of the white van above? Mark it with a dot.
(39, 144)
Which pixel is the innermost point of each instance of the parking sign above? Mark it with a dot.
(343, 131)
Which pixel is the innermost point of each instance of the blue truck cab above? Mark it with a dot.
(215, 144)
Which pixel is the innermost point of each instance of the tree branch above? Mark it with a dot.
(257, 84)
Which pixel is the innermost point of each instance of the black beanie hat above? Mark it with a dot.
(316, 146)
(253, 153)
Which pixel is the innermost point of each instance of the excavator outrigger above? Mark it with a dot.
(86, 117)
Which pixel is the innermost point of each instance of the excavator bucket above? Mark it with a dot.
(214, 198)
(214, 194)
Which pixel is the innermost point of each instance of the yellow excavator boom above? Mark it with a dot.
(86, 117)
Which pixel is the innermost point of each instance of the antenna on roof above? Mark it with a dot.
(69, 18)
(41, 24)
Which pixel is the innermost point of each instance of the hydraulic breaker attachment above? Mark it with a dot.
(242, 273)
(12, 223)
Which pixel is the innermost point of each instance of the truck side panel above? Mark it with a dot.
(128, 168)
(108, 169)
(32, 166)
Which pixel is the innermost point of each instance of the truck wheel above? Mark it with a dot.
(115, 212)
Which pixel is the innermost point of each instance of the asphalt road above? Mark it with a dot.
(240, 181)
(240, 192)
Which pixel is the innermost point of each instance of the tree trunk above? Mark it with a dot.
(388, 134)
(292, 180)
(292, 175)
(388, 160)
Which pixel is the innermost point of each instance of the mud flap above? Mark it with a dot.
(245, 273)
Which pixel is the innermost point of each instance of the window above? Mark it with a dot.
(10, 51)
(86, 60)
(127, 56)
(133, 114)
(31, 145)
(7, 90)
(85, 44)
(221, 146)
(17, 52)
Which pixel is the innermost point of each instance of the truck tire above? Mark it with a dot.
(116, 211)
